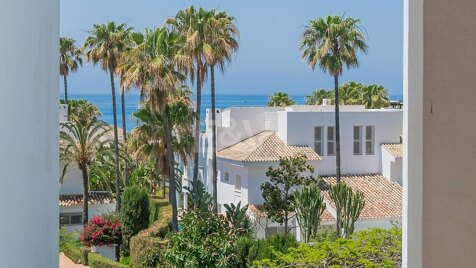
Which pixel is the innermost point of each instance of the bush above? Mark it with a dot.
(267, 248)
(370, 248)
(134, 214)
(207, 240)
(243, 246)
(78, 254)
(155, 206)
(101, 231)
(98, 261)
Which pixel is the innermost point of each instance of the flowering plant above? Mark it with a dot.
(100, 231)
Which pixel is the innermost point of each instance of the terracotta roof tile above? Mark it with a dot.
(265, 147)
(95, 198)
(395, 149)
(383, 198)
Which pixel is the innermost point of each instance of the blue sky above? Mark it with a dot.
(268, 59)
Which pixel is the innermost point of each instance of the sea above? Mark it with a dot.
(104, 102)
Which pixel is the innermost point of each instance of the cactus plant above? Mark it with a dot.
(351, 204)
(309, 206)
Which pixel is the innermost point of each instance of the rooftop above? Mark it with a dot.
(265, 146)
(95, 198)
(383, 198)
(395, 149)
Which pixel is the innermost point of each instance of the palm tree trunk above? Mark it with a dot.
(116, 141)
(164, 188)
(214, 142)
(65, 89)
(337, 130)
(197, 125)
(171, 160)
(124, 134)
(84, 171)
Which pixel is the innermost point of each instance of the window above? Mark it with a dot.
(238, 183)
(278, 230)
(331, 138)
(318, 131)
(369, 139)
(226, 177)
(357, 140)
(70, 218)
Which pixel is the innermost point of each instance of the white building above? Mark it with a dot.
(250, 139)
(71, 195)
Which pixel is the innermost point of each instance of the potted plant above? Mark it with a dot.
(102, 235)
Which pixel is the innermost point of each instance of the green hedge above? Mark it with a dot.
(145, 251)
(98, 261)
(78, 254)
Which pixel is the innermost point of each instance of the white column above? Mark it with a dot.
(413, 134)
(29, 31)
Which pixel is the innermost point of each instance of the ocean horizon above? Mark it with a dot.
(104, 103)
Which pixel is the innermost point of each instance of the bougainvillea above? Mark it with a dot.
(100, 232)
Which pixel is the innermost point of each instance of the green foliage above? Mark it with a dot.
(76, 253)
(278, 193)
(309, 206)
(146, 176)
(134, 213)
(98, 261)
(318, 95)
(268, 248)
(325, 233)
(236, 216)
(375, 97)
(371, 248)
(206, 240)
(280, 99)
(198, 197)
(65, 237)
(350, 203)
(145, 251)
(243, 246)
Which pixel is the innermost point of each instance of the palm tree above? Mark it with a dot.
(375, 97)
(80, 140)
(351, 93)
(106, 44)
(70, 61)
(221, 45)
(318, 95)
(151, 66)
(332, 43)
(194, 25)
(280, 99)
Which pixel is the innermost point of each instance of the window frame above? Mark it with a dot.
(371, 140)
(226, 177)
(331, 141)
(238, 189)
(69, 216)
(357, 140)
(320, 142)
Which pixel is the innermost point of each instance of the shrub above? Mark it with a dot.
(206, 240)
(101, 231)
(134, 214)
(78, 254)
(243, 246)
(267, 248)
(371, 248)
(145, 251)
(98, 261)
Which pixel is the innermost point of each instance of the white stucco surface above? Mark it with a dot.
(29, 133)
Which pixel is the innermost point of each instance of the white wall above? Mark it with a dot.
(29, 133)
(226, 190)
(391, 167)
(72, 181)
(94, 210)
(297, 128)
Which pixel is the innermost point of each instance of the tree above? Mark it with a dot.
(70, 61)
(238, 219)
(80, 139)
(332, 43)
(351, 93)
(351, 204)
(278, 192)
(318, 95)
(105, 45)
(375, 97)
(221, 44)
(309, 206)
(194, 26)
(134, 213)
(152, 66)
(280, 99)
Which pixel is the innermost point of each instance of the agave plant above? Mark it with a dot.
(237, 217)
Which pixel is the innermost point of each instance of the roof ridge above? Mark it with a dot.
(261, 145)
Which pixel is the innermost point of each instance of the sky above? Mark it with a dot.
(268, 59)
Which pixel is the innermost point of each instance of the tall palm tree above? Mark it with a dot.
(375, 97)
(280, 99)
(318, 95)
(332, 43)
(105, 45)
(351, 93)
(151, 66)
(70, 61)
(193, 24)
(80, 140)
(221, 44)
